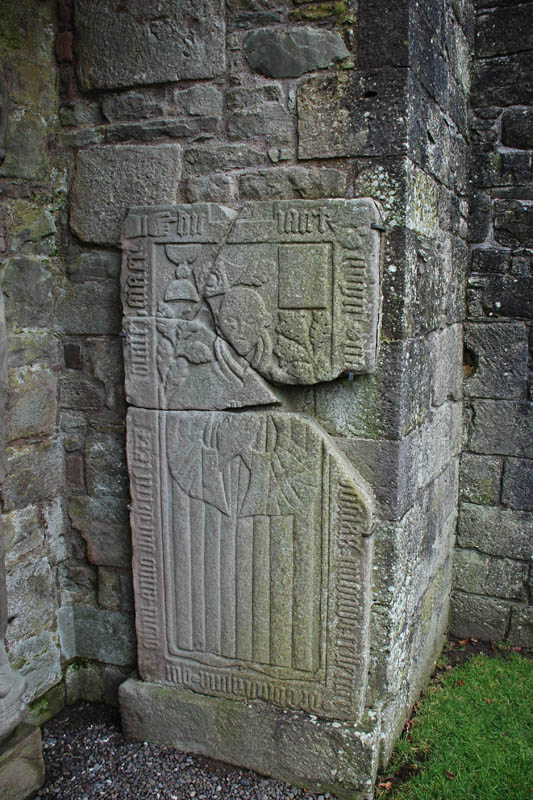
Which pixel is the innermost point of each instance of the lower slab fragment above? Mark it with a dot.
(21, 763)
(287, 745)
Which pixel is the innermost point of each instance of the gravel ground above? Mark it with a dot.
(86, 757)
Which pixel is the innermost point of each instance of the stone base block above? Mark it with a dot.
(21, 763)
(291, 746)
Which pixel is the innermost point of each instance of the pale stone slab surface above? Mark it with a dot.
(215, 300)
(144, 41)
(109, 179)
(251, 559)
(317, 754)
(21, 763)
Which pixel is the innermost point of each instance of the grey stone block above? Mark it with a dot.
(22, 534)
(517, 128)
(267, 119)
(292, 182)
(108, 180)
(317, 754)
(479, 573)
(496, 531)
(502, 427)
(488, 259)
(115, 589)
(368, 109)
(38, 660)
(387, 404)
(397, 470)
(21, 763)
(103, 522)
(481, 479)
(165, 42)
(500, 353)
(74, 425)
(152, 129)
(105, 459)
(47, 706)
(513, 223)
(94, 682)
(202, 159)
(446, 356)
(290, 53)
(517, 487)
(134, 105)
(253, 96)
(504, 30)
(89, 308)
(36, 472)
(254, 19)
(27, 286)
(78, 391)
(200, 100)
(96, 265)
(32, 600)
(521, 630)
(96, 633)
(32, 405)
(500, 81)
(210, 188)
(481, 617)
(34, 345)
(508, 296)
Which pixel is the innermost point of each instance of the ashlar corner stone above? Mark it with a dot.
(216, 302)
(143, 42)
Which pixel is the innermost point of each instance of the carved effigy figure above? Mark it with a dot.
(12, 685)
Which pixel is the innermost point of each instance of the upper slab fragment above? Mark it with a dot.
(215, 301)
(148, 41)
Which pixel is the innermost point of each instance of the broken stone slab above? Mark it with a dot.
(299, 748)
(251, 559)
(166, 41)
(21, 763)
(217, 300)
(280, 53)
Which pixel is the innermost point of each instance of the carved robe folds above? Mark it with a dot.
(251, 531)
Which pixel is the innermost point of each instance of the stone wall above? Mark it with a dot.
(343, 117)
(372, 102)
(492, 596)
(32, 200)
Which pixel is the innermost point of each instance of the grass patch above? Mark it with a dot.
(472, 735)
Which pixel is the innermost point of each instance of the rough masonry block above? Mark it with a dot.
(21, 763)
(165, 41)
(109, 179)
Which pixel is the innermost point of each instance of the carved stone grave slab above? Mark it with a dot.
(217, 302)
(251, 559)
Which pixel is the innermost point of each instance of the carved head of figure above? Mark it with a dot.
(243, 320)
